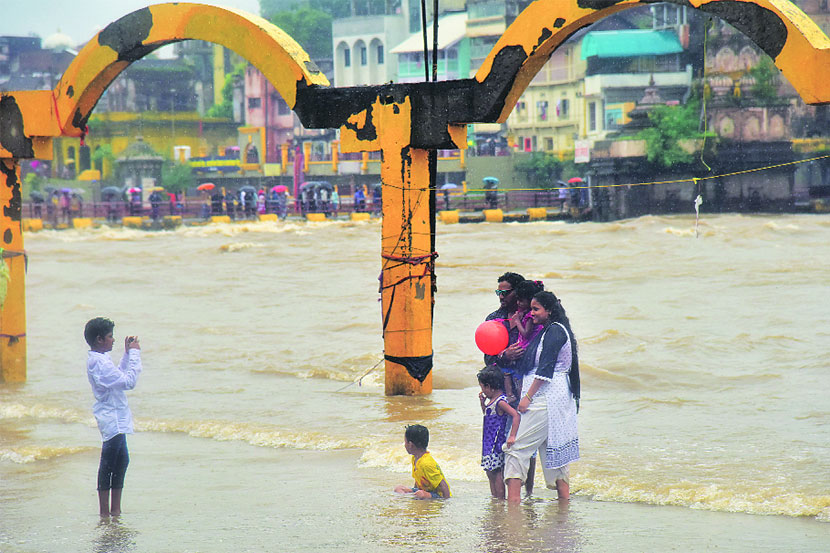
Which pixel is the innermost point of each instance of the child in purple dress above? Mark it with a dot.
(497, 413)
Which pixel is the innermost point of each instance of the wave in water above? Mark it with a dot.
(459, 464)
(253, 434)
(30, 454)
(40, 411)
(757, 500)
(239, 246)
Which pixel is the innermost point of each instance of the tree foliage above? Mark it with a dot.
(176, 177)
(542, 169)
(766, 81)
(225, 109)
(308, 26)
(672, 125)
(335, 8)
(309, 21)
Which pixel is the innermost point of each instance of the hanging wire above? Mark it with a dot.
(424, 32)
(434, 40)
(706, 28)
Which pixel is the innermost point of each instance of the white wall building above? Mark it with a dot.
(362, 48)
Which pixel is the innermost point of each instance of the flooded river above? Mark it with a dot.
(704, 423)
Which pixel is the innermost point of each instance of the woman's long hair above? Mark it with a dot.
(557, 314)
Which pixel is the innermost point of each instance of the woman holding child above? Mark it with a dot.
(549, 401)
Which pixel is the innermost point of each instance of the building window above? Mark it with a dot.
(282, 107)
(254, 103)
(347, 58)
(380, 54)
(364, 58)
(592, 116)
(562, 108)
(542, 110)
(548, 144)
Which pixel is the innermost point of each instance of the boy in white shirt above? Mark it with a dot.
(109, 384)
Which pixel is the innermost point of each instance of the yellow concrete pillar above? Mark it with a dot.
(364, 163)
(335, 155)
(13, 311)
(306, 155)
(407, 252)
(283, 159)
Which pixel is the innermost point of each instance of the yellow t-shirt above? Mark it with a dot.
(427, 473)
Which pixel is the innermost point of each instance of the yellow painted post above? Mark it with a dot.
(406, 248)
(13, 311)
(364, 163)
(462, 159)
(306, 155)
(283, 158)
(335, 151)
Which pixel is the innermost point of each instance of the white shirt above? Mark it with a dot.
(109, 385)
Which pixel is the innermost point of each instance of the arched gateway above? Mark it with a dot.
(407, 122)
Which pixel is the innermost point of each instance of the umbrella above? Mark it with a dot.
(279, 189)
(79, 191)
(574, 180)
(490, 182)
(247, 188)
(449, 186)
(49, 189)
(157, 189)
(110, 191)
(204, 187)
(133, 190)
(36, 196)
(66, 190)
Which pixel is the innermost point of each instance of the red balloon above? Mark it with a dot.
(491, 337)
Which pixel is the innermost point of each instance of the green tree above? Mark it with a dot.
(335, 8)
(176, 177)
(766, 81)
(310, 27)
(541, 169)
(101, 154)
(672, 126)
(225, 109)
(309, 21)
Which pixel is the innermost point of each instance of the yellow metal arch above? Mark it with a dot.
(797, 45)
(265, 46)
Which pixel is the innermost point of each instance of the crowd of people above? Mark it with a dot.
(529, 399)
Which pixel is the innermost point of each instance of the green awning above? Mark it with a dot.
(629, 43)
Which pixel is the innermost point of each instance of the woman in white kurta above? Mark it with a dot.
(549, 402)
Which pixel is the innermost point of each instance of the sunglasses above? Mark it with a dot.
(501, 293)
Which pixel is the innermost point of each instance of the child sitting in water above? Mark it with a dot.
(522, 319)
(498, 417)
(429, 480)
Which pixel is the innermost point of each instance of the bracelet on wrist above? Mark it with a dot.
(530, 399)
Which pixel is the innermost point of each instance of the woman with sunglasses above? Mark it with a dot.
(506, 292)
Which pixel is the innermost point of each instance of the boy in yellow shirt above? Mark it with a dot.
(429, 480)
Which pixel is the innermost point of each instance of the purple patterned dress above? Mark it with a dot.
(493, 436)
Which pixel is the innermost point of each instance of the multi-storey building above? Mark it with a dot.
(453, 52)
(548, 115)
(593, 80)
(361, 48)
